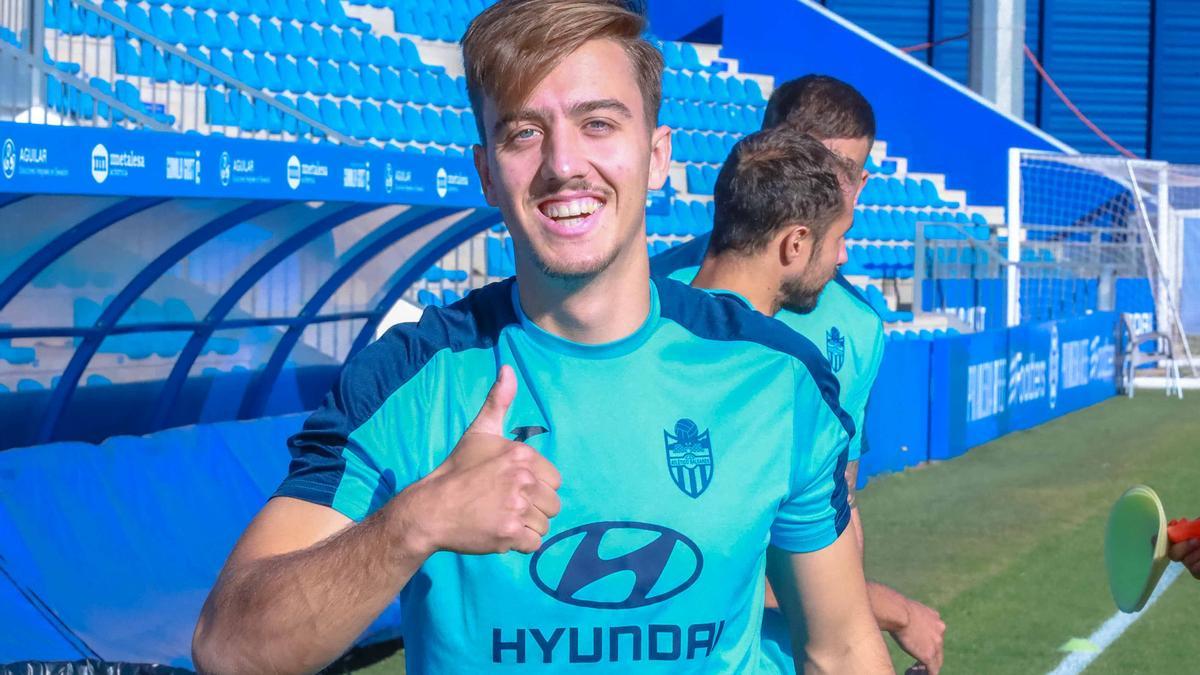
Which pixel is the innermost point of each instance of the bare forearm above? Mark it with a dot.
(299, 611)
(889, 607)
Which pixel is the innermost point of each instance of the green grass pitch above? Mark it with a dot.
(1007, 541)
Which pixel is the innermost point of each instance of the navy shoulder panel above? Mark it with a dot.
(473, 322)
(371, 376)
(722, 317)
(854, 292)
(688, 254)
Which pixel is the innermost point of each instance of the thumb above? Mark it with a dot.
(490, 419)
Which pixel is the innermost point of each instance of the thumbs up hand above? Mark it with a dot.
(491, 494)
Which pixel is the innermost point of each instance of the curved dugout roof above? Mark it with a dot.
(131, 314)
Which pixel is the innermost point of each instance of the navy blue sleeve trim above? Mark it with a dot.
(384, 366)
(688, 254)
(845, 283)
(840, 499)
(720, 318)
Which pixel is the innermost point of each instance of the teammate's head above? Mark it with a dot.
(831, 111)
(781, 199)
(566, 94)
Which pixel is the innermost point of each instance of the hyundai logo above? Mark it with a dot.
(616, 565)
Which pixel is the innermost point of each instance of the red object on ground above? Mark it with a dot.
(1183, 529)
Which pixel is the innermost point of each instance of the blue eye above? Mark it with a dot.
(524, 134)
(599, 125)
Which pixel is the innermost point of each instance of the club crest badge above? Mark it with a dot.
(835, 348)
(689, 457)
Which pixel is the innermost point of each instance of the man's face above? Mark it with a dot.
(855, 150)
(800, 292)
(570, 169)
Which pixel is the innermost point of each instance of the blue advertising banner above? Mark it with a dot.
(991, 383)
(80, 160)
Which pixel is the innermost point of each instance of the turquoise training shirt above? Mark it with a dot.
(843, 325)
(685, 449)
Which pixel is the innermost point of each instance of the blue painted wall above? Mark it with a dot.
(918, 114)
(1175, 119)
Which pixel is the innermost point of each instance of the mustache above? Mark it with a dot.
(576, 185)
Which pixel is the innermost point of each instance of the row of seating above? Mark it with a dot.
(350, 45)
(886, 168)
(909, 192)
(436, 274)
(922, 334)
(683, 56)
(879, 303)
(30, 384)
(701, 147)
(896, 225)
(701, 180)
(427, 298)
(465, 9)
(67, 99)
(15, 355)
(707, 117)
(711, 89)
(686, 218)
(164, 344)
(880, 262)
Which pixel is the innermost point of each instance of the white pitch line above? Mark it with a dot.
(1105, 635)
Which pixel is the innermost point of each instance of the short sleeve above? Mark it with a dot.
(331, 469)
(816, 509)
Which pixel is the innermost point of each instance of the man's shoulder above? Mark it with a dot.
(688, 254)
(475, 322)
(723, 318)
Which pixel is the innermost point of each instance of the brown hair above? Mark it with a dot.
(822, 106)
(510, 47)
(773, 178)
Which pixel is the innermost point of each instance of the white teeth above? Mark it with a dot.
(576, 207)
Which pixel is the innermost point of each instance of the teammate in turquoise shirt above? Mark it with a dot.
(843, 325)
(580, 469)
(838, 115)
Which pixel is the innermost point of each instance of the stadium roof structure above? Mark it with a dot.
(148, 263)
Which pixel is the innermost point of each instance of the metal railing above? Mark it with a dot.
(107, 58)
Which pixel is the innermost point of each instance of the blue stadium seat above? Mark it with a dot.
(450, 296)
(701, 220)
(309, 108)
(393, 85)
(373, 50)
(392, 54)
(372, 83)
(353, 45)
(754, 94)
(251, 34)
(394, 123)
(314, 43)
(331, 116)
(681, 146)
(415, 125)
(293, 41)
(413, 88)
(185, 28)
(289, 75)
(352, 78)
(412, 58)
(352, 116)
(433, 92)
(268, 72)
(231, 39)
(736, 91)
(433, 123)
(332, 78)
(671, 56)
(334, 48)
(428, 299)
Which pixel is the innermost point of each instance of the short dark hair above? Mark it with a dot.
(774, 178)
(821, 106)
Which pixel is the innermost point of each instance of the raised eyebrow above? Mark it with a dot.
(612, 104)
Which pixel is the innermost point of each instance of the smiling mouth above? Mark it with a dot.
(570, 213)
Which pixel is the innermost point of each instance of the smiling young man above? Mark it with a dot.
(564, 471)
(832, 315)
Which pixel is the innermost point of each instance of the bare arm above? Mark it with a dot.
(824, 597)
(301, 585)
(303, 582)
